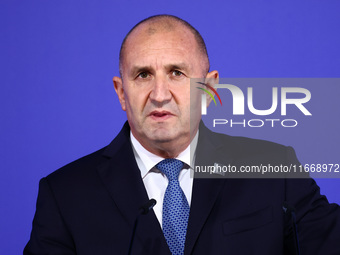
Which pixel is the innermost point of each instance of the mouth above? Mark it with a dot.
(160, 115)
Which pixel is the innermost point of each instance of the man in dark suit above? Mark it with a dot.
(90, 206)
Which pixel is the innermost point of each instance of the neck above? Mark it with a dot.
(167, 149)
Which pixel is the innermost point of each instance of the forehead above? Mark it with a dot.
(162, 41)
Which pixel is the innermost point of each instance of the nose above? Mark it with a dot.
(160, 91)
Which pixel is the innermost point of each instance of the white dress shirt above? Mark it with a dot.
(155, 181)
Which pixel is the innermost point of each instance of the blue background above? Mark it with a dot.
(57, 60)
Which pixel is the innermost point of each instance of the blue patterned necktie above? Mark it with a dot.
(175, 207)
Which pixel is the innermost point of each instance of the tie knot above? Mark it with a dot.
(170, 167)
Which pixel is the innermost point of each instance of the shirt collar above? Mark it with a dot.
(147, 160)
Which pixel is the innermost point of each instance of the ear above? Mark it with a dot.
(212, 78)
(118, 84)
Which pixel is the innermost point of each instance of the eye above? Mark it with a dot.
(177, 73)
(143, 75)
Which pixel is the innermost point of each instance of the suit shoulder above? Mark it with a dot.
(81, 166)
(85, 168)
(250, 145)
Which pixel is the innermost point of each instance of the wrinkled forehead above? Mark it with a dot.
(159, 35)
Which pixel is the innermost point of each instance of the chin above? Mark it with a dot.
(168, 136)
(162, 136)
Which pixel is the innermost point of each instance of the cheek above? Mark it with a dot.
(195, 99)
(190, 108)
(195, 106)
(182, 100)
(136, 102)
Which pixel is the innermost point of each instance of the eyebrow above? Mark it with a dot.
(137, 69)
(180, 66)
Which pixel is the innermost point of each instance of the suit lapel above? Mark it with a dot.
(205, 191)
(122, 178)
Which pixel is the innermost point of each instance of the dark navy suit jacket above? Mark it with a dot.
(89, 206)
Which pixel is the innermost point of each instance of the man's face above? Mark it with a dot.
(155, 88)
